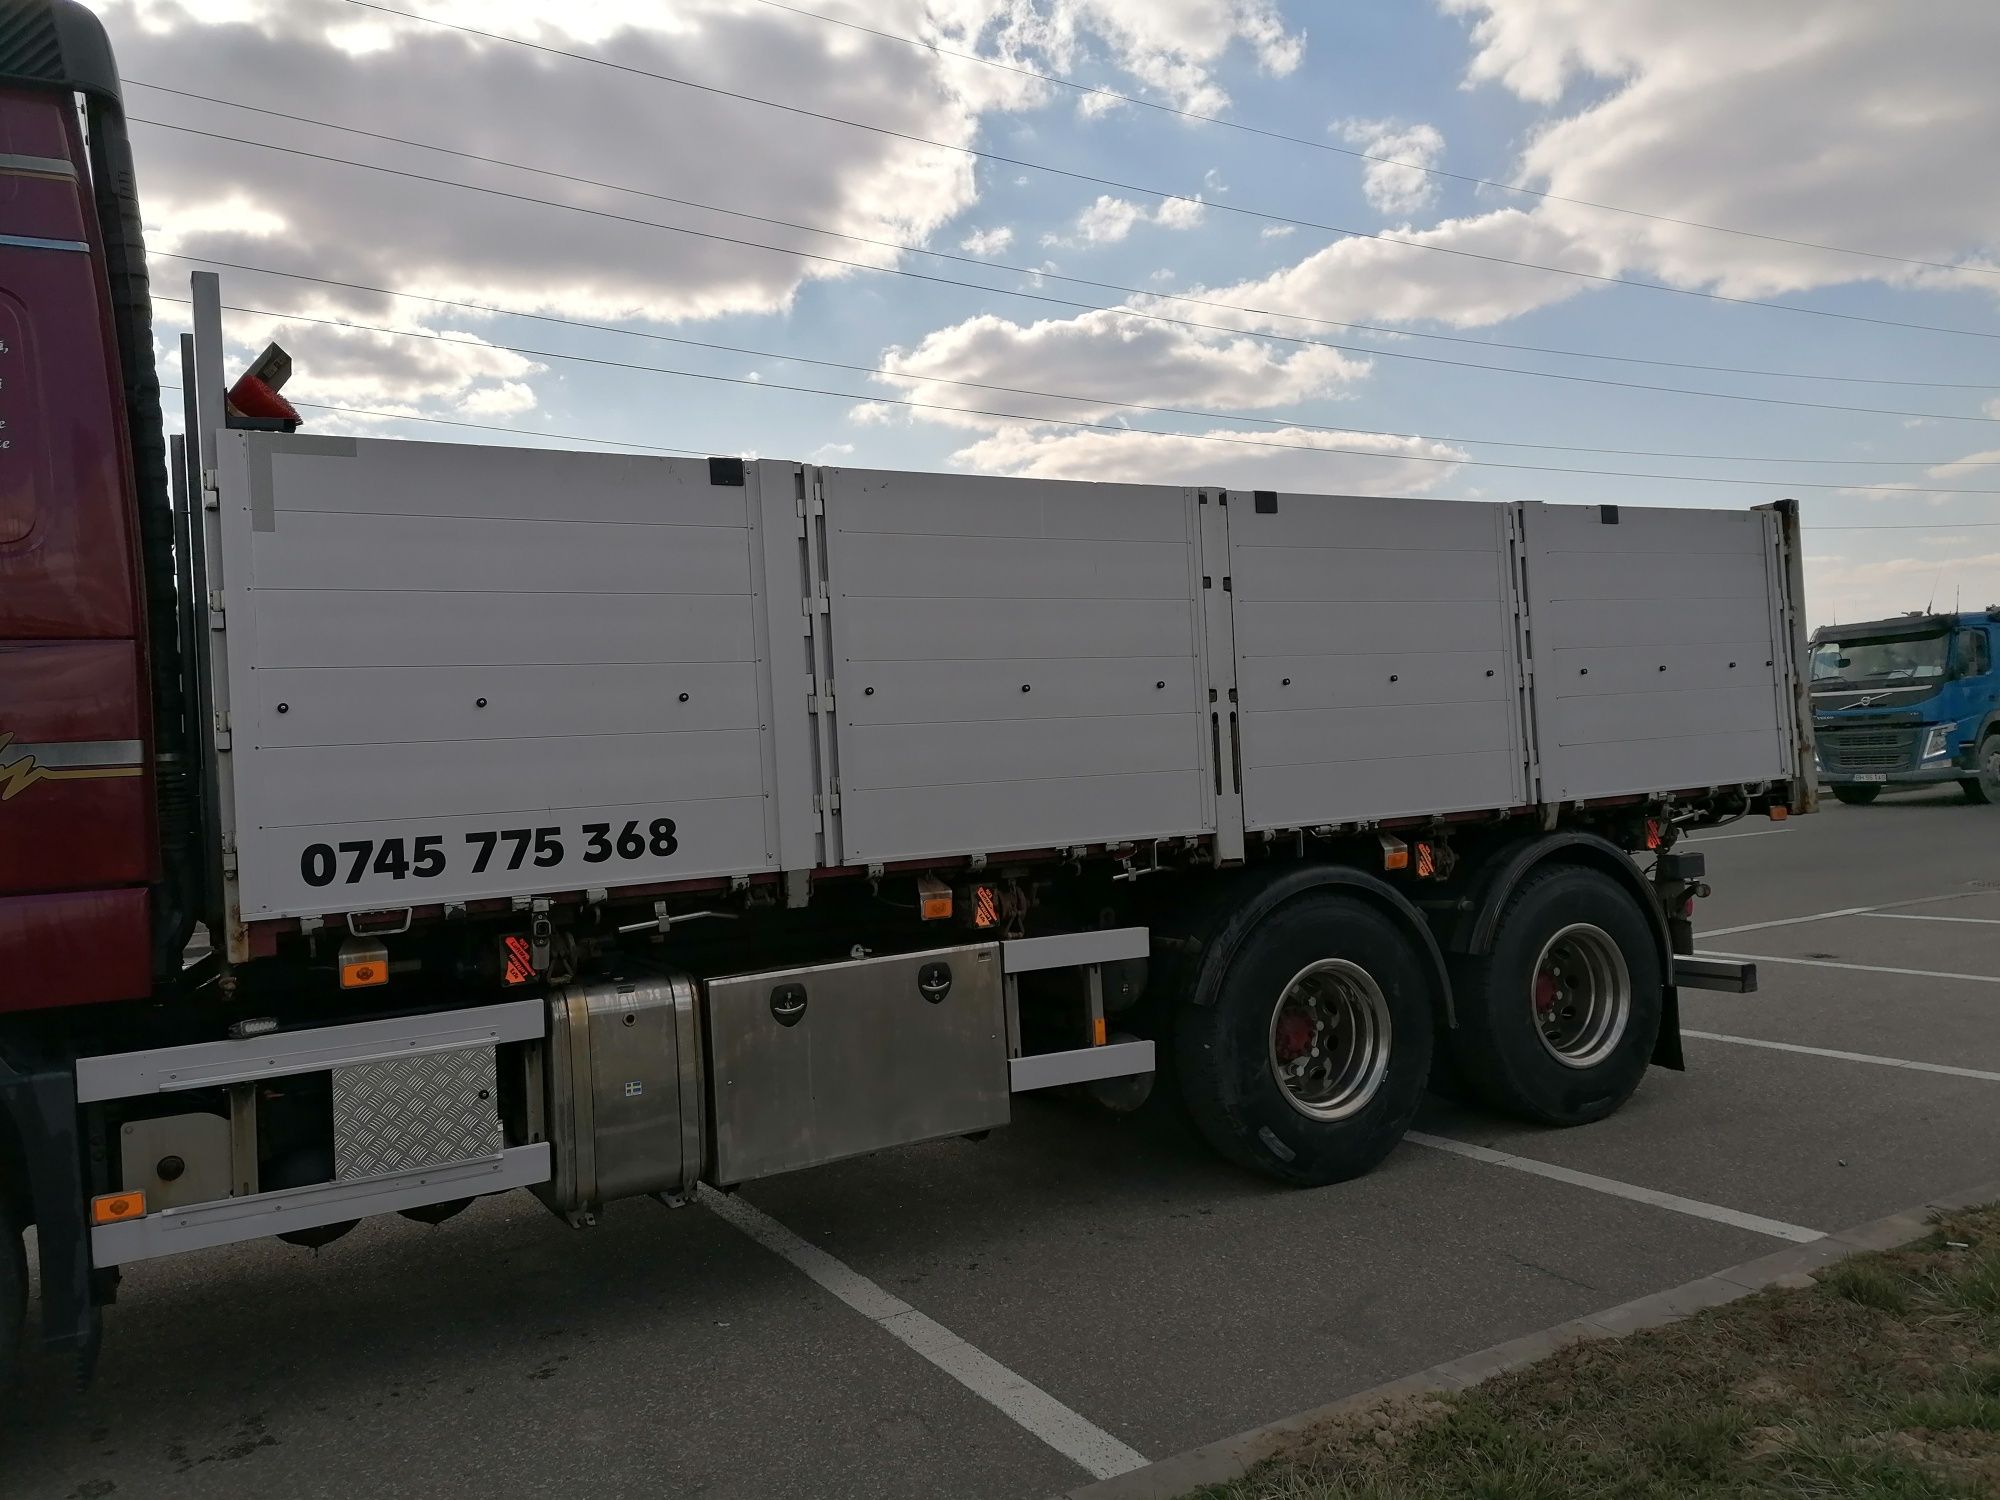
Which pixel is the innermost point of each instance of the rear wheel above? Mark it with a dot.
(1310, 1061)
(1857, 796)
(1985, 787)
(1557, 1023)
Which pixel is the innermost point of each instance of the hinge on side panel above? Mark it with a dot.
(211, 484)
(228, 855)
(818, 604)
(222, 729)
(216, 609)
(816, 701)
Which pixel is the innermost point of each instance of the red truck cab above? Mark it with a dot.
(98, 854)
(77, 842)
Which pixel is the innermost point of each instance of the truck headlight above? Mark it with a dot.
(1937, 742)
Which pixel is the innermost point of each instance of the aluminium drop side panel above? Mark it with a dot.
(433, 646)
(1656, 658)
(1016, 664)
(1376, 658)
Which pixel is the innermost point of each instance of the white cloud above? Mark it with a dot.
(323, 59)
(1105, 222)
(1972, 466)
(1396, 190)
(987, 241)
(1277, 231)
(509, 398)
(1111, 219)
(1170, 46)
(1172, 458)
(1841, 123)
(1107, 354)
(1844, 587)
(1677, 86)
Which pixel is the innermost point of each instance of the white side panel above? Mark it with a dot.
(1374, 659)
(1655, 659)
(1015, 663)
(458, 672)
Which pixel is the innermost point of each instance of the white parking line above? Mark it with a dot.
(1828, 963)
(1859, 1057)
(1845, 911)
(1924, 916)
(1776, 1228)
(1084, 1443)
(1818, 916)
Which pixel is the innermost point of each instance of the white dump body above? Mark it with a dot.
(450, 673)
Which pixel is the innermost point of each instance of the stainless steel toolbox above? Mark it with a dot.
(811, 1065)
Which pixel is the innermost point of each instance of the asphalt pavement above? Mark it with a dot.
(1078, 1293)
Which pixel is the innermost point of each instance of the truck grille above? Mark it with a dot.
(1868, 749)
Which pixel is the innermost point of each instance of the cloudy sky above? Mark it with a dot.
(1012, 275)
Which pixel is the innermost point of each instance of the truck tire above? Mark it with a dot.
(1311, 1060)
(1985, 787)
(1857, 796)
(1557, 1023)
(13, 1295)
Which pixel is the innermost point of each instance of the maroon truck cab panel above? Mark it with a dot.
(78, 845)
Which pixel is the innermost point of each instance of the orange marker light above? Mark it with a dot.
(1779, 814)
(933, 898)
(1653, 838)
(1097, 1033)
(364, 962)
(116, 1208)
(1395, 853)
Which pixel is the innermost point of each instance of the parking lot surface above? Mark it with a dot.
(1079, 1293)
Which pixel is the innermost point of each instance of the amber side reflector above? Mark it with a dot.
(519, 957)
(1395, 853)
(933, 898)
(1097, 1032)
(1779, 814)
(364, 962)
(115, 1208)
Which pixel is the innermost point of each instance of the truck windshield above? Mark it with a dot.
(1858, 662)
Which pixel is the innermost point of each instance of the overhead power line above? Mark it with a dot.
(495, 309)
(1388, 161)
(1366, 351)
(876, 398)
(988, 263)
(1131, 187)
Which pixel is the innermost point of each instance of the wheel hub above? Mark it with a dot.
(1582, 995)
(1329, 1039)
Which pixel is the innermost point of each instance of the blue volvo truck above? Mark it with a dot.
(1913, 701)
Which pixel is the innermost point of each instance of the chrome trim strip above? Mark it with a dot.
(44, 166)
(32, 242)
(64, 753)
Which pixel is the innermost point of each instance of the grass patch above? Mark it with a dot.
(1880, 1382)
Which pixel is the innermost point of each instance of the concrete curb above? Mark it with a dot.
(1231, 1458)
